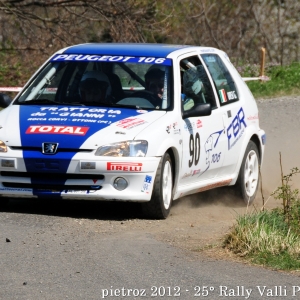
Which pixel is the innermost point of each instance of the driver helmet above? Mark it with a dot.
(154, 80)
(94, 86)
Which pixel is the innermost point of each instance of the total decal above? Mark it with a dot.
(39, 129)
(109, 58)
(236, 129)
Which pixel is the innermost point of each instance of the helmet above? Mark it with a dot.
(154, 72)
(94, 86)
(159, 67)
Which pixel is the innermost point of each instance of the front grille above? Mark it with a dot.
(50, 187)
(39, 149)
(49, 176)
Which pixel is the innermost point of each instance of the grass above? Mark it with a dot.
(271, 238)
(284, 80)
(265, 239)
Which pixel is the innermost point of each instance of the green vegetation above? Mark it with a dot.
(271, 238)
(12, 72)
(284, 80)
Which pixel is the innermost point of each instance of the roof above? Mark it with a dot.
(134, 49)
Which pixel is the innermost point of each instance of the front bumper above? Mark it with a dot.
(85, 179)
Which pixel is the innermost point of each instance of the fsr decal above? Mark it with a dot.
(236, 129)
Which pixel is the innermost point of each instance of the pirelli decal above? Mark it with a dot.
(124, 166)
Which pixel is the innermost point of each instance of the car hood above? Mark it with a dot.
(72, 127)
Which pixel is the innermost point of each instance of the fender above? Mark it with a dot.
(251, 133)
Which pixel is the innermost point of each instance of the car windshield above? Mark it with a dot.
(134, 82)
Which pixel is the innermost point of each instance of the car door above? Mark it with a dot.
(231, 108)
(204, 138)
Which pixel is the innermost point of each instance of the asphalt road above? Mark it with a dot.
(79, 250)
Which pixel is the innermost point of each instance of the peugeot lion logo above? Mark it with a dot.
(49, 148)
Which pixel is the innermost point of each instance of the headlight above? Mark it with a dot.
(124, 149)
(3, 147)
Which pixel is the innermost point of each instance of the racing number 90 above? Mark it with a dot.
(194, 149)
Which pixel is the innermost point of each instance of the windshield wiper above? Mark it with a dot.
(47, 101)
(39, 101)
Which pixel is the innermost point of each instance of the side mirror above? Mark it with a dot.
(5, 100)
(199, 110)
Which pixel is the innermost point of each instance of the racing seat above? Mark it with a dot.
(116, 87)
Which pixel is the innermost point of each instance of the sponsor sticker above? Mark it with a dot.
(130, 123)
(252, 118)
(236, 129)
(56, 129)
(169, 127)
(199, 123)
(232, 95)
(124, 166)
(147, 184)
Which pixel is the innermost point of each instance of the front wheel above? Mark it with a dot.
(248, 180)
(162, 196)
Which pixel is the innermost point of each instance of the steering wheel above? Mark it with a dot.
(152, 98)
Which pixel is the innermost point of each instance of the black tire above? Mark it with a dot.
(162, 196)
(249, 179)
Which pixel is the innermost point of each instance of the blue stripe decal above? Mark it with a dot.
(129, 49)
(69, 126)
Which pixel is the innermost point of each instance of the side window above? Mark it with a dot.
(195, 85)
(223, 81)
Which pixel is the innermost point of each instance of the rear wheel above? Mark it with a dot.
(248, 180)
(162, 196)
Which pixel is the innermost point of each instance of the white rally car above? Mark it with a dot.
(191, 126)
